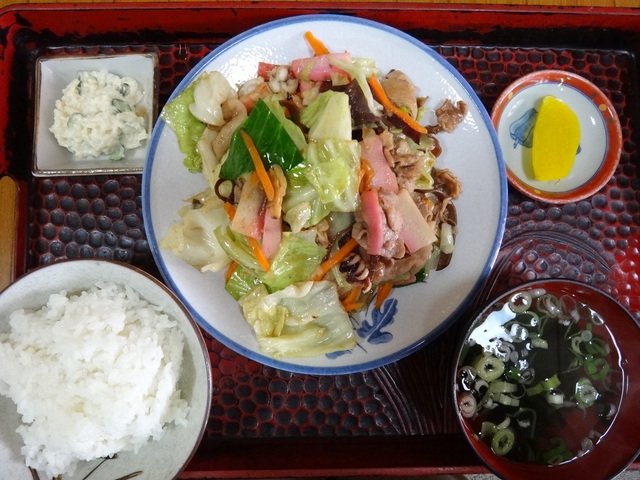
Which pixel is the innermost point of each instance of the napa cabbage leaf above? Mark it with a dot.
(301, 205)
(193, 239)
(178, 117)
(328, 116)
(241, 282)
(332, 166)
(302, 320)
(295, 261)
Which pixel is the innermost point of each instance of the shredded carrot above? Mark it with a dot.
(258, 253)
(383, 292)
(318, 47)
(379, 92)
(336, 258)
(350, 302)
(232, 268)
(230, 209)
(259, 166)
(354, 293)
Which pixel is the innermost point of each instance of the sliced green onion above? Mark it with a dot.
(586, 335)
(535, 390)
(570, 307)
(120, 106)
(526, 418)
(507, 400)
(594, 435)
(527, 376)
(487, 430)
(585, 313)
(551, 383)
(596, 368)
(481, 386)
(586, 445)
(504, 350)
(518, 333)
(598, 346)
(549, 304)
(574, 365)
(520, 302)
(489, 368)
(504, 424)
(586, 393)
(502, 387)
(546, 385)
(537, 292)
(513, 373)
(539, 342)
(576, 346)
(597, 319)
(502, 441)
(526, 319)
(487, 402)
(468, 405)
(555, 397)
(556, 455)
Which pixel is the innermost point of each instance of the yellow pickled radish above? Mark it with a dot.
(556, 138)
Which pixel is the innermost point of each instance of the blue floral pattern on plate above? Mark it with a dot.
(371, 329)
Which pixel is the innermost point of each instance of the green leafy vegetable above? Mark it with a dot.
(295, 261)
(241, 282)
(332, 167)
(328, 116)
(238, 249)
(194, 240)
(292, 129)
(270, 137)
(502, 441)
(360, 69)
(302, 207)
(301, 320)
(188, 129)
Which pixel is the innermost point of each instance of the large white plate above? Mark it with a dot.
(471, 152)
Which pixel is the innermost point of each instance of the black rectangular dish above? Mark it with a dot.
(394, 420)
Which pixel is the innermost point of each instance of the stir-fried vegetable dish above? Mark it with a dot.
(323, 193)
(538, 381)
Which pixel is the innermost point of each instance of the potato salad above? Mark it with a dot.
(99, 115)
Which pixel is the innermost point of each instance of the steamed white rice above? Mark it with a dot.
(92, 374)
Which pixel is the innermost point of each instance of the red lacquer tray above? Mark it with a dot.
(394, 420)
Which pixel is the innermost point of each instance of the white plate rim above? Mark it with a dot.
(380, 361)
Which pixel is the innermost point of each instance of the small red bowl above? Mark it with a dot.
(619, 443)
(513, 116)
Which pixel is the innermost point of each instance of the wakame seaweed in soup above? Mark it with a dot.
(539, 378)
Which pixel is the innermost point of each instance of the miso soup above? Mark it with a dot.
(539, 378)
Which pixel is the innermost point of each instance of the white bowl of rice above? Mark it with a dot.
(103, 375)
